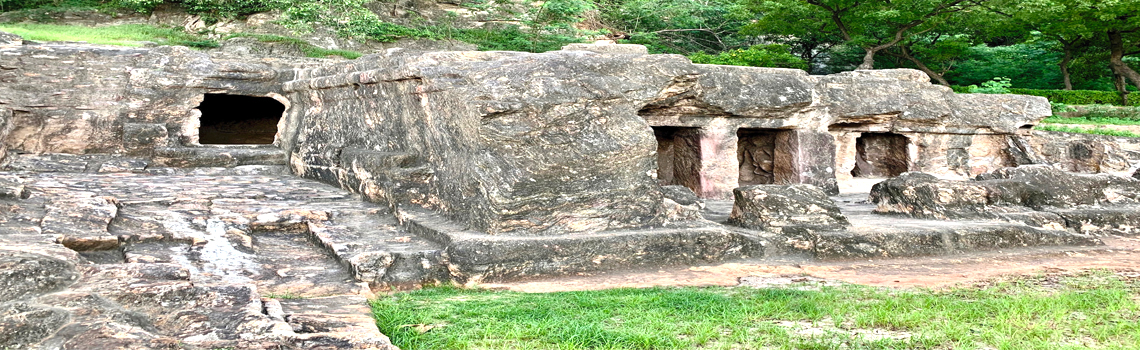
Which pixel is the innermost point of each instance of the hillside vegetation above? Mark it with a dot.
(1035, 44)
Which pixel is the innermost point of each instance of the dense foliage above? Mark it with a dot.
(1035, 44)
(774, 55)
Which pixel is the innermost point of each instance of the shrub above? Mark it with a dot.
(1074, 97)
(999, 85)
(774, 55)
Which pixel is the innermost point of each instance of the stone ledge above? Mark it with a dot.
(477, 257)
(880, 242)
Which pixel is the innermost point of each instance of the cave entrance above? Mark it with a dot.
(761, 161)
(238, 119)
(678, 156)
(880, 154)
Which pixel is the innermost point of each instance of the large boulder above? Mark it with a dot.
(777, 208)
(926, 196)
(905, 100)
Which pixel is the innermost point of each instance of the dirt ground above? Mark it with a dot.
(929, 272)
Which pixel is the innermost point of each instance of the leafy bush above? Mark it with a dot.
(999, 85)
(505, 38)
(563, 11)
(1074, 97)
(12, 5)
(1060, 107)
(774, 55)
(1065, 97)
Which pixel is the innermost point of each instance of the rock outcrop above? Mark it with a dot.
(784, 207)
(1080, 153)
(1037, 195)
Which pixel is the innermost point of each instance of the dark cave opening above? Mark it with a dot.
(238, 119)
(880, 154)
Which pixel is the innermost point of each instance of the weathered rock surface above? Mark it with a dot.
(1037, 195)
(9, 39)
(142, 261)
(1081, 153)
(780, 207)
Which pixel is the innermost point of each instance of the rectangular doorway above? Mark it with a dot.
(880, 154)
(678, 156)
(761, 161)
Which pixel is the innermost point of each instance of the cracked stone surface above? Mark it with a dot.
(123, 260)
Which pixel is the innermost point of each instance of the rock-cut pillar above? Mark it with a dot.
(810, 156)
(720, 168)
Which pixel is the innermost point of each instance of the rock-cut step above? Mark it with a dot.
(371, 244)
(220, 156)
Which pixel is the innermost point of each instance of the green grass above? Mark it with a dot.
(122, 35)
(1098, 310)
(1099, 115)
(1094, 131)
(1091, 121)
(308, 49)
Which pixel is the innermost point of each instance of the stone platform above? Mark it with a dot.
(194, 261)
(885, 236)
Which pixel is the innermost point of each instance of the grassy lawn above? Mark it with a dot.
(1094, 130)
(1096, 116)
(122, 35)
(1092, 310)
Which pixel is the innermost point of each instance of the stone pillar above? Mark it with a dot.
(720, 169)
(811, 156)
(845, 153)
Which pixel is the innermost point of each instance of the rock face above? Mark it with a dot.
(1081, 153)
(199, 262)
(544, 144)
(1037, 195)
(488, 162)
(782, 207)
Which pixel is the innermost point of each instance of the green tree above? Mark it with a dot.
(1085, 24)
(677, 26)
(873, 25)
(814, 36)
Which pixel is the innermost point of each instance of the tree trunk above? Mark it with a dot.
(868, 59)
(1121, 87)
(1065, 68)
(1116, 61)
(917, 63)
